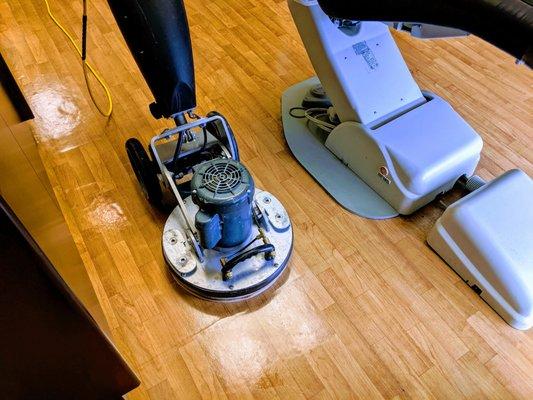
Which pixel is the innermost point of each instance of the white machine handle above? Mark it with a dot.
(362, 71)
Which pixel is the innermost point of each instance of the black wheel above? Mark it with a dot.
(144, 171)
(216, 129)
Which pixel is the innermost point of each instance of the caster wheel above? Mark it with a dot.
(216, 129)
(144, 171)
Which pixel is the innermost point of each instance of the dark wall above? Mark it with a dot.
(50, 347)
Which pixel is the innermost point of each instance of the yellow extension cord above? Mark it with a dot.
(86, 66)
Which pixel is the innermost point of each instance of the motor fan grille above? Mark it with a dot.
(221, 177)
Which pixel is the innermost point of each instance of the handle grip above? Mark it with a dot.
(228, 265)
(84, 37)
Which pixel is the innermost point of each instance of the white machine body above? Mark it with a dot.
(364, 75)
(407, 145)
(413, 158)
(410, 146)
(487, 238)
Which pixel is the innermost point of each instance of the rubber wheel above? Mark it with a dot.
(144, 171)
(216, 129)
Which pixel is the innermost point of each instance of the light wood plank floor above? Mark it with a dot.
(367, 309)
(23, 178)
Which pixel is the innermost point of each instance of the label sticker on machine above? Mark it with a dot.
(362, 49)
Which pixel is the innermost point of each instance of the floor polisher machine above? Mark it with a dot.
(226, 239)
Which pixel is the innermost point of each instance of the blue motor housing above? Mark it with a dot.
(223, 189)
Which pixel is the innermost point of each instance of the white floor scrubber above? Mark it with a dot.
(382, 147)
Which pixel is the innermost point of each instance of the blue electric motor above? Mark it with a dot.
(224, 191)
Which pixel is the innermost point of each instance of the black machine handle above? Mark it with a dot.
(228, 265)
(157, 34)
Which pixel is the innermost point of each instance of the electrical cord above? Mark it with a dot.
(204, 131)
(318, 116)
(87, 67)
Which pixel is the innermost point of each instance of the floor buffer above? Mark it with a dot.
(226, 239)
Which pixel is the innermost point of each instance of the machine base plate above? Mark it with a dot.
(250, 277)
(336, 178)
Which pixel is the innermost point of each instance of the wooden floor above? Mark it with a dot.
(366, 310)
(23, 177)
